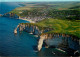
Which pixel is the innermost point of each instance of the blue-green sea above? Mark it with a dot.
(22, 44)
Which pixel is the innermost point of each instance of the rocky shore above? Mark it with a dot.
(62, 41)
(11, 15)
(0, 14)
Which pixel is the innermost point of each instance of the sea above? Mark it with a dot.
(22, 44)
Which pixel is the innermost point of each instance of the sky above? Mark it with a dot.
(33, 0)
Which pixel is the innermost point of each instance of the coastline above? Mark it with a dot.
(27, 20)
(0, 15)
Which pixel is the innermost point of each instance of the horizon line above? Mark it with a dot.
(39, 1)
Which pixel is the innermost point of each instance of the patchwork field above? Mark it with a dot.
(63, 17)
(61, 26)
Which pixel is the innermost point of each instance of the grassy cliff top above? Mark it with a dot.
(59, 10)
(61, 26)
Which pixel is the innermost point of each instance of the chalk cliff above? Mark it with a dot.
(60, 40)
(0, 14)
(11, 15)
(51, 39)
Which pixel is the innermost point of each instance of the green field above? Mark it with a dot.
(64, 16)
(61, 26)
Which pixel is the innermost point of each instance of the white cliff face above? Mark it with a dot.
(15, 31)
(50, 39)
(40, 43)
(53, 42)
(57, 40)
(31, 29)
(21, 27)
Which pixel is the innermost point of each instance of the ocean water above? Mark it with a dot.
(22, 44)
